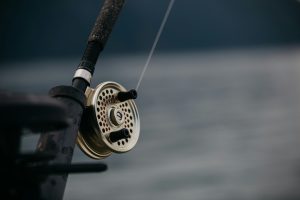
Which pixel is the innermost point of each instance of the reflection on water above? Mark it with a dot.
(216, 126)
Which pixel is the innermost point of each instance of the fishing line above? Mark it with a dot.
(155, 42)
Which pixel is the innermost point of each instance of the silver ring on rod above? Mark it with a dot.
(84, 74)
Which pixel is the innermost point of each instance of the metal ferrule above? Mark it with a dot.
(84, 74)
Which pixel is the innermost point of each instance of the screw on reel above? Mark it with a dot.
(110, 122)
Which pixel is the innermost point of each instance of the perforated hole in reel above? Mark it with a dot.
(110, 122)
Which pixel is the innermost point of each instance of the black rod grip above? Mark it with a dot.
(100, 33)
(105, 21)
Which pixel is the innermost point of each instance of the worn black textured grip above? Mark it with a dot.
(90, 56)
(100, 33)
(105, 21)
(97, 39)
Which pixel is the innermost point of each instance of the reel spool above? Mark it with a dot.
(110, 122)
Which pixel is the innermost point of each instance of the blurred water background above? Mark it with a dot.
(219, 104)
(219, 125)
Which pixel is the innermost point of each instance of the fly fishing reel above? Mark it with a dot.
(110, 122)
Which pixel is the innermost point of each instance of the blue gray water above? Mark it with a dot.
(216, 126)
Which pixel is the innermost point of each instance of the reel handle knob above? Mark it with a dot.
(119, 135)
(124, 96)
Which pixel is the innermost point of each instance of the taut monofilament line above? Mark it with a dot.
(161, 28)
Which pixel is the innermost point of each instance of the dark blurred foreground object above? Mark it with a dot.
(22, 174)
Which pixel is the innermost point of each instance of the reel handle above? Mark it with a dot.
(124, 96)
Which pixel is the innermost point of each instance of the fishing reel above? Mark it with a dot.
(110, 122)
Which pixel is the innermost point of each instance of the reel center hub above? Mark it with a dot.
(116, 116)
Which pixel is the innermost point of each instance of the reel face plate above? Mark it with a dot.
(103, 115)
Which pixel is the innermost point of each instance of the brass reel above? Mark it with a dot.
(110, 122)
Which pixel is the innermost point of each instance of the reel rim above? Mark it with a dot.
(97, 144)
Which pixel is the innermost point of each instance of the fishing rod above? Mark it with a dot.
(108, 116)
(102, 120)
